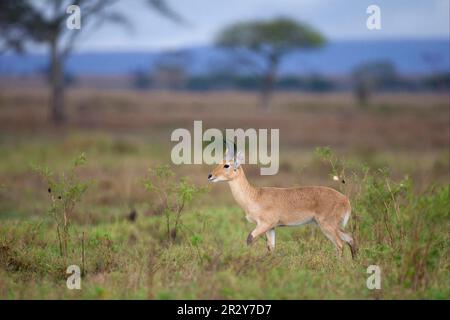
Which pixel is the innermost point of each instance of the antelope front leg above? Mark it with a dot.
(259, 230)
(270, 235)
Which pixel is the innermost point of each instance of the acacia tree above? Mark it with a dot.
(44, 22)
(271, 40)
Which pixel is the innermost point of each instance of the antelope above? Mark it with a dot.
(271, 207)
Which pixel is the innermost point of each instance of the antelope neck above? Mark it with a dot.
(243, 192)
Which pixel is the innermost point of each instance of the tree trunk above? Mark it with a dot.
(57, 111)
(268, 83)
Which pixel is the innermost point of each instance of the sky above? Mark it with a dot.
(337, 19)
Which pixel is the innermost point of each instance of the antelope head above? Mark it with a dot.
(228, 169)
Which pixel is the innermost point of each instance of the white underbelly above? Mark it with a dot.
(300, 222)
(250, 219)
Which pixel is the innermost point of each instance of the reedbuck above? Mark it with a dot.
(271, 207)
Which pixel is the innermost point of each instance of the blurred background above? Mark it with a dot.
(115, 89)
(136, 70)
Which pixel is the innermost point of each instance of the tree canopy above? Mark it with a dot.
(45, 22)
(271, 40)
(276, 36)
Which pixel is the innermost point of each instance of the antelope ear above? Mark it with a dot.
(238, 159)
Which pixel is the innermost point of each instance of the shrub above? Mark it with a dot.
(65, 191)
(392, 223)
(174, 196)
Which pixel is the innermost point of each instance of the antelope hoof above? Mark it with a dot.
(249, 239)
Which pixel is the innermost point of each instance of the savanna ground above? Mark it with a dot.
(393, 154)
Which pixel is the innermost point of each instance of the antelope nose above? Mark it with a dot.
(209, 176)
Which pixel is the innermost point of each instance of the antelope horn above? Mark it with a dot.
(229, 152)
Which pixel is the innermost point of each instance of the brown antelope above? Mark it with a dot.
(271, 207)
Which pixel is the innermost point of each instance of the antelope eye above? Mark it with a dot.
(226, 166)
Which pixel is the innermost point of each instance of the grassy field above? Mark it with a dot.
(394, 152)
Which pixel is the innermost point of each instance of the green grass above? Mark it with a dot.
(398, 225)
(210, 261)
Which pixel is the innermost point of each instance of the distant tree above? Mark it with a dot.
(169, 70)
(372, 76)
(318, 83)
(437, 81)
(141, 80)
(167, 76)
(44, 22)
(271, 40)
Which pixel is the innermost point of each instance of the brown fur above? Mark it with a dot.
(271, 207)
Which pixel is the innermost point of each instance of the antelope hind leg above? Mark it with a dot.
(347, 238)
(333, 236)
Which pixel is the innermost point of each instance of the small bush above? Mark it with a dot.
(392, 223)
(174, 196)
(65, 191)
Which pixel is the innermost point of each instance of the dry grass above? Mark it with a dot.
(392, 121)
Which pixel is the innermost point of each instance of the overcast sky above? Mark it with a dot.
(337, 19)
